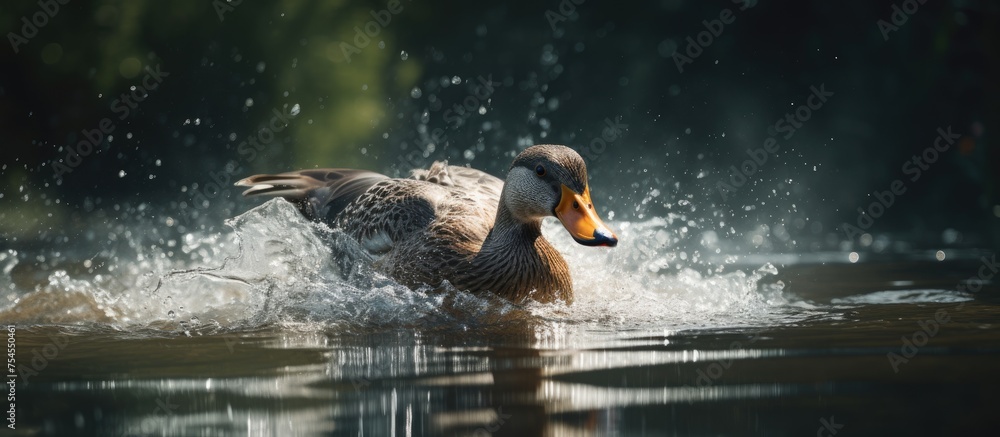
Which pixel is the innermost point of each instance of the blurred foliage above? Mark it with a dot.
(232, 64)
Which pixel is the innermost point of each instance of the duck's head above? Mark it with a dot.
(550, 180)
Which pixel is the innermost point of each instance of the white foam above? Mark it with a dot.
(272, 266)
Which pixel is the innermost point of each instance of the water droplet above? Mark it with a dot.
(416, 92)
(121, 173)
(403, 55)
(295, 110)
(171, 314)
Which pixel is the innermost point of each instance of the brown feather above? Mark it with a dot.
(446, 223)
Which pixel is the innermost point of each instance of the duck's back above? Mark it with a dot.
(424, 229)
(420, 230)
(479, 185)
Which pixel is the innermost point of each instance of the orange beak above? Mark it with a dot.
(576, 212)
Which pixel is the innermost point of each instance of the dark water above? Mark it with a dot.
(817, 364)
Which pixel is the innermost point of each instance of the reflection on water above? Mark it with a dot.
(284, 330)
(505, 380)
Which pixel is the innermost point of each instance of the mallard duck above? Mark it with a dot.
(457, 224)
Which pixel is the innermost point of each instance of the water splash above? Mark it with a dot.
(272, 266)
(643, 283)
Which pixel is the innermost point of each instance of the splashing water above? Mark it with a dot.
(275, 267)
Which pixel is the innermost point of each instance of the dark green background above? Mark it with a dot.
(608, 60)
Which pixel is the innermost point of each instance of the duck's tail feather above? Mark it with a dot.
(319, 194)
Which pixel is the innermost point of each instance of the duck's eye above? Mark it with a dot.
(539, 170)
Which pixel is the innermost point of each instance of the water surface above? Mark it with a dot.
(277, 326)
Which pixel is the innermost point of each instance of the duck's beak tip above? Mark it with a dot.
(576, 212)
(602, 237)
(605, 237)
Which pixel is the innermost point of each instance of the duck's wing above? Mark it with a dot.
(443, 212)
(392, 211)
(319, 193)
(374, 209)
(469, 180)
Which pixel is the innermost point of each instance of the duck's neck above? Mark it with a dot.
(516, 262)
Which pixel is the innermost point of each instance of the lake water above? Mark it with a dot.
(276, 326)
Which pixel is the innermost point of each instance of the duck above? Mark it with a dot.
(455, 224)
